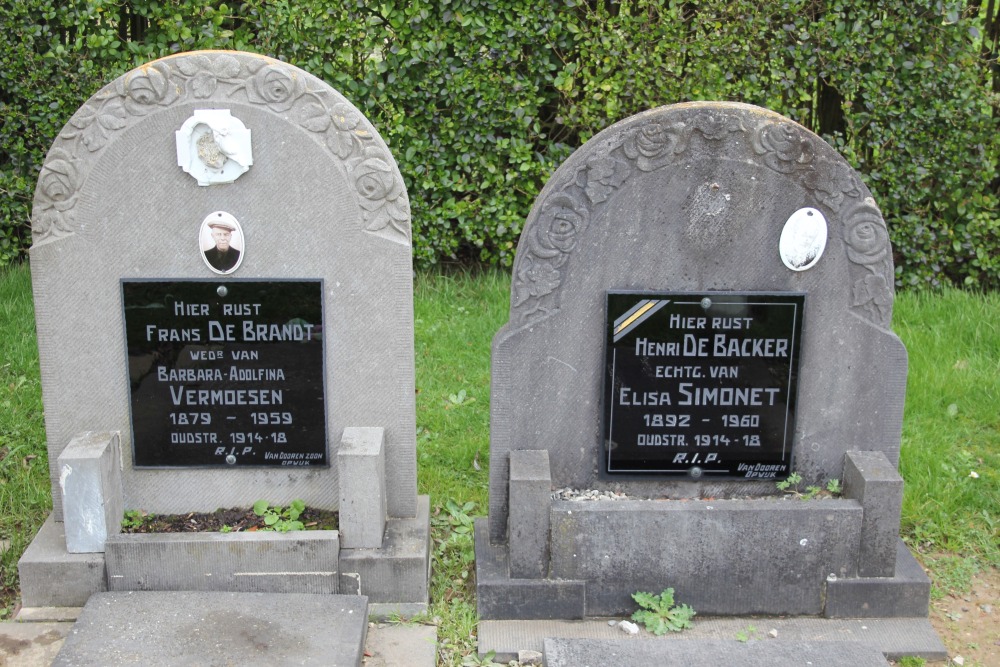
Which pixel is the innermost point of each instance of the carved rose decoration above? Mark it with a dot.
(147, 88)
(562, 219)
(654, 145)
(873, 294)
(785, 147)
(345, 117)
(866, 236)
(50, 223)
(58, 181)
(832, 181)
(535, 279)
(348, 130)
(604, 176)
(275, 86)
(715, 126)
(375, 179)
(382, 191)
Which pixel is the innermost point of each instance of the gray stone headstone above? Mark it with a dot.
(695, 198)
(320, 197)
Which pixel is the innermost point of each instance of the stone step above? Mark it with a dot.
(38, 633)
(157, 629)
(708, 653)
(892, 637)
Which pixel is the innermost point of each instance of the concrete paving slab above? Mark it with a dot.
(708, 653)
(386, 645)
(216, 629)
(31, 644)
(893, 637)
(394, 645)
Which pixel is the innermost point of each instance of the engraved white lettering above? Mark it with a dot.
(694, 346)
(628, 397)
(255, 374)
(190, 309)
(188, 374)
(691, 395)
(172, 335)
(253, 332)
(240, 309)
(180, 395)
(218, 332)
(749, 347)
(678, 322)
(678, 372)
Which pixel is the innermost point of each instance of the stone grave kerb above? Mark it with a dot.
(323, 199)
(693, 197)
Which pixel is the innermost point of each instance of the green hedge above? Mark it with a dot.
(480, 100)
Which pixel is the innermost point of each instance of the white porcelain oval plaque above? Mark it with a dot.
(803, 239)
(222, 243)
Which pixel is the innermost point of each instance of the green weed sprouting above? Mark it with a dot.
(659, 614)
(278, 518)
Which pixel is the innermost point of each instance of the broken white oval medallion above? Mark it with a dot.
(803, 239)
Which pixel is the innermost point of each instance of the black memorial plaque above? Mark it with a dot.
(226, 373)
(701, 384)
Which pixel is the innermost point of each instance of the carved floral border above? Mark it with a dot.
(279, 87)
(552, 234)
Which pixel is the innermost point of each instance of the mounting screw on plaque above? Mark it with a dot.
(695, 472)
(231, 460)
(706, 303)
(222, 291)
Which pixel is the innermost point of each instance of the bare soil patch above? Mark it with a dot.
(969, 623)
(232, 520)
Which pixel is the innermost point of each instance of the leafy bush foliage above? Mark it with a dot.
(480, 100)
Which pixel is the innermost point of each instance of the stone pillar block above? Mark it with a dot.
(361, 464)
(90, 482)
(528, 522)
(873, 481)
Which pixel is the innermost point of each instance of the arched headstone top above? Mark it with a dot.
(671, 142)
(212, 80)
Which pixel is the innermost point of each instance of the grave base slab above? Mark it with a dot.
(396, 575)
(212, 628)
(906, 594)
(708, 653)
(500, 596)
(726, 557)
(53, 577)
(892, 637)
(264, 562)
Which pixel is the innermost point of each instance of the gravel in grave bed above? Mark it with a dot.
(582, 495)
(234, 519)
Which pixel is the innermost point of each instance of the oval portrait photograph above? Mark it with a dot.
(221, 239)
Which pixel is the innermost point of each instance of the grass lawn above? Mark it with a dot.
(950, 452)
